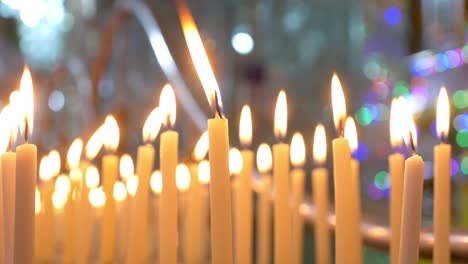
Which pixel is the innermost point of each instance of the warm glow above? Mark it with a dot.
(410, 133)
(350, 134)
(201, 149)
(264, 158)
(59, 200)
(92, 177)
(8, 128)
(97, 198)
(182, 177)
(396, 135)
(152, 126)
(245, 126)
(16, 117)
(443, 114)
(112, 133)
(27, 101)
(297, 152)
(74, 153)
(62, 185)
(204, 172)
(37, 204)
(338, 102)
(127, 168)
(120, 191)
(54, 162)
(132, 185)
(281, 116)
(156, 182)
(235, 161)
(45, 173)
(198, 54)
(320, 145)
(95, 142)
(167, 104)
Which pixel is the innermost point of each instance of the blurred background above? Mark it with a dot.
(90, 58)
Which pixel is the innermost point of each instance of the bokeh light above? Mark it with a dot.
(464, 165)
(392, 16)
(381, 180)
(242, 42)
(362, 152)
(460, 99)
(454, 167)
(401, 88)
(374, 193)
(428, 168)
(462, 139)
(56, 100)
(460, 122)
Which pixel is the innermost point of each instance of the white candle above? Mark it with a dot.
(264, 163)
(297, 156)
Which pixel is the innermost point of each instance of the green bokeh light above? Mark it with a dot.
(380, 180)
(401, 88)
(464, 165)
(459, 99)
(462, 139)
(363, 116)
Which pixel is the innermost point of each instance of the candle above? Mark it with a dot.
(97, 199)
(194, 221)
(26, 171)
(204, 179)
(121, 214)
(37, 223)
(346, 249)
(138, 249)
(168, 163)
(282, 211)
(350, 134)
(243, 235)
(396, 163)
(9, 178)
(220, 193)
(320, 197)
(156, 188)
(110, 170)
(442, 183)
(64, 202)
(297, 157)
(412, 197)
(264, 161)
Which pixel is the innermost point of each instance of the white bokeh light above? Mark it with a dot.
(242, 42)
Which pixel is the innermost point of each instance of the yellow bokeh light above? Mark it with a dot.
(264, 158)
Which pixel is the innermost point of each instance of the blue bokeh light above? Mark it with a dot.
(392, 16)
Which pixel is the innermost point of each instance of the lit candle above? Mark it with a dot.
(194, 221)
(264, 161)
(7, 192)
(26, 172)
(346, 250)
(442, 183)
(37, 222)
(168, 163)
(64, 203)
(204, 179)
(156, 188)
(282, 210)
(97, 199)
(350, 134)
(121, 212)
(220, 191)
(320, 197)
(110, 171)
(412, 197)
(137, 249)
(243, 196)
(396, 163)
(297, 156)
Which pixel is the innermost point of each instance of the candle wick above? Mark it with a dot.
(340, 127)
(443, 138)
(413, 147)
(26, 130)
(217, 107)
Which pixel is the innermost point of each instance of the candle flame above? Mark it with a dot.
(199, 57)
(167, 104)
(112, 133)
(245, 126)
(37, 204)
(27, 103)
(338, 103)
(320, 145)
(127, 168)
(204, 172)
(59, 200)
(95, 142)
(201, 148)
(74, 153)
(350, 134)
(235, 161)
(45, 173)
(443, 114)
(156, 182)
(97, 198)
(410, 132)
(264, 158)
(396, 133)
(152, 125)
(120, 191)
(62, 185)
(132, 185)
(182, 177)
(16, 119)
(281, 116)
(92, 177)
(297, 152)
(54, 162)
